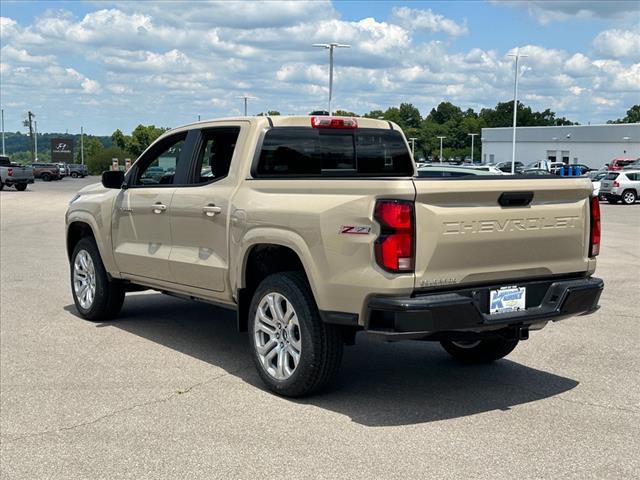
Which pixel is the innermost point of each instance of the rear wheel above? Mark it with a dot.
(479, 351)
(45, 177)
(95, 296)
(294, 351)
(21, 187)
(74, 175)
(629, 197)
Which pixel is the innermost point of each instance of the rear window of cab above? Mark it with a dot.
(612, 176)
(310, 152)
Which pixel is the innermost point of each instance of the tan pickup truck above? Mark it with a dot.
(316, 228)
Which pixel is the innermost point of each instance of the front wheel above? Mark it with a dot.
(21, 187)
(479, 351)
(95, 296)
(294, 351)
(629, 197)
(45, 177)
(74, 175)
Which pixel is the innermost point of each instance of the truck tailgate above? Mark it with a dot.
(464, 235)
(19, 172)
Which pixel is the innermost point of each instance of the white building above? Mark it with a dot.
(592, 145)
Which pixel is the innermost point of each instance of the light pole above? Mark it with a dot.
(413, 146)
(330, 47)
(246, 97)
(517, 56)
(472, 135)
(2, 131)
(441, 138)
(82, 145)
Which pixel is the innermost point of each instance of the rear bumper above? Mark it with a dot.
(17, 181)
(464, 312)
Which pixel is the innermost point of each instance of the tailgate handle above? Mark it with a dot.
(515, 199)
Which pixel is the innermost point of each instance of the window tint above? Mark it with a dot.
(215, 154)
(292, 151)
(612, 175)
(159, 168)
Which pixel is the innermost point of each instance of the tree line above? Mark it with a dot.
(446, 120)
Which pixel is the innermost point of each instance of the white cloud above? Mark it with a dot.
(177, 60)
(545, 11)
(416, 19)
(617, 43)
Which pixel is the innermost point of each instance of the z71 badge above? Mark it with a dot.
(356, 229)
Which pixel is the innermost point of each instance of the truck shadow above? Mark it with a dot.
(379, 384)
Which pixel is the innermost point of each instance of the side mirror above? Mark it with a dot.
(112, 179)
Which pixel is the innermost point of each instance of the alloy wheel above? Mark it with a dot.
(84, 279)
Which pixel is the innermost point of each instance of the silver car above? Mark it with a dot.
(621, 185)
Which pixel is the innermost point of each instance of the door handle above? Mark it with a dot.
(158, 207)
(211, 210)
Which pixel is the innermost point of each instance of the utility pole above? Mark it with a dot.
(35, 138)
(29, 123)
(413, 146)
(82, 145)
(517, 56)
(472, 135)
(2, 131)
(441, 138)
(246, 97)
(330, 47)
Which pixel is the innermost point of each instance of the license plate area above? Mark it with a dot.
(507, 299)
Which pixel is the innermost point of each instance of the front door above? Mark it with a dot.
(200, 212)
(141, 226)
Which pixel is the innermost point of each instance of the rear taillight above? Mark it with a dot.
(395, 247)
(9, 172)
(616, 184)
(594, 239)
(333, 122)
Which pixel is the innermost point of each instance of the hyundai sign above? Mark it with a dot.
(62, 150)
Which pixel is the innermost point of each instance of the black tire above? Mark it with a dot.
(629, 197)
(321, 343)
(612, 201)
(45, 177)
(21, 187)
(1, 185)
(484, 351)
(74, 174)
(109, 295)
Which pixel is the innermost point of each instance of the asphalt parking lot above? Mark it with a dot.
(169, 389)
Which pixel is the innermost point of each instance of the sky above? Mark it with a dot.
(105, 65)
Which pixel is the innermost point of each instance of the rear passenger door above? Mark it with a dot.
(200, 212)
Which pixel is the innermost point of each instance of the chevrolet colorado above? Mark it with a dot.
(316, 228)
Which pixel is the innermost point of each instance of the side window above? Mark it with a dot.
(159, 166)
(216, 152)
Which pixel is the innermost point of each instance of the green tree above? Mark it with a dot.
(633, 116)
(92, 147)
(141, 137)
(345, 113)
(102, 161)
(445, 112)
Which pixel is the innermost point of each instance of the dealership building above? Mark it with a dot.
(592, 145)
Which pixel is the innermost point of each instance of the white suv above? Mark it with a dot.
(621, 185)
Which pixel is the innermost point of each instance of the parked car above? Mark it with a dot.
(583, 168)
(64, 169)
(312, 240)
(596, 180)
(46, 171)
(14, 175)
(486, 168)
(506, 166)
(434, 171)
(621, 185)
(77, 170)
(633, 165)
(620, 162)
(536, 171)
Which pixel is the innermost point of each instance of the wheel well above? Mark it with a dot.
(77, 231)
(264, 260)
